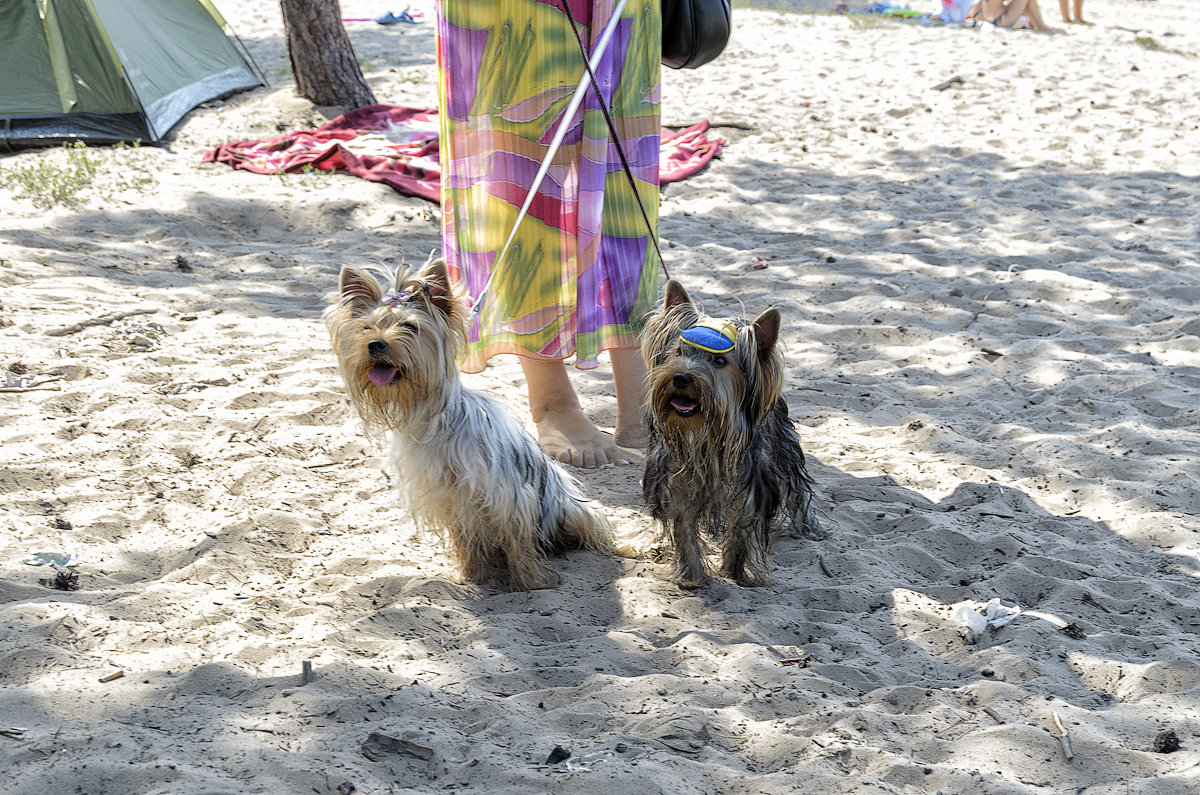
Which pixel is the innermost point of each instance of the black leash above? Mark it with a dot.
(612, 131)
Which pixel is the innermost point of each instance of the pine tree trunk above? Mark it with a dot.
(323, 61)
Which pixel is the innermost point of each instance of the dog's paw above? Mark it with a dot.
(534, 578)
(689, 580)
(753, 579)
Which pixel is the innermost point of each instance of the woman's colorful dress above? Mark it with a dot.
(582, 272)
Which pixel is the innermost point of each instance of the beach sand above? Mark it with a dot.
(989, 295)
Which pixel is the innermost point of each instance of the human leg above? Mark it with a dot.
(564, 431)
(1036, 21)
(580, 273)
(629, 377)
(1011, 12)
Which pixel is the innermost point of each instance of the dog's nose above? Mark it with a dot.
(681, 380)
(377, 347)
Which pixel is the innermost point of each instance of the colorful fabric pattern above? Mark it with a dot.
(582, 273)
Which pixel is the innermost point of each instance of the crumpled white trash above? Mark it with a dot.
(972, 620)
(58, 560)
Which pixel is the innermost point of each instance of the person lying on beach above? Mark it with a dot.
(1010, 14)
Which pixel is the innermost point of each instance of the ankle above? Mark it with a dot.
(561, 406)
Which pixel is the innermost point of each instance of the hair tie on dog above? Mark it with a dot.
(714, 336)
(391, 299)
(402, 296)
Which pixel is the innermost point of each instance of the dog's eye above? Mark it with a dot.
(719, 361)
(410, 327)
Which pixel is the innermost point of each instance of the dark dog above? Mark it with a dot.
(724, 461)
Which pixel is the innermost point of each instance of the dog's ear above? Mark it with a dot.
(675, 295)
(437, 279)
(358, 289)
(766, 332)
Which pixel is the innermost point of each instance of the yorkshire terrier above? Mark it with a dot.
(724, 464)
(468, 467)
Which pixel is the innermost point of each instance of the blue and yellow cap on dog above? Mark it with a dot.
(709, 334)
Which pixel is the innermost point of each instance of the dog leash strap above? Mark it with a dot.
(567, 118)
(616, 139)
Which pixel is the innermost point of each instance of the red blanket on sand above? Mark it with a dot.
(399, 147)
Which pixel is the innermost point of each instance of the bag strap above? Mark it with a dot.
(612, 131)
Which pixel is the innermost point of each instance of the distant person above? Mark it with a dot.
(1066, 12)
(950, 10)
(1011, 14)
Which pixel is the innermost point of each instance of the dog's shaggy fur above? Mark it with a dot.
(724, 461)
(468, 468)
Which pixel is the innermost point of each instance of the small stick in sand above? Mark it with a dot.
(994, 715)
(821, 563)
(97, 321)
(114, 675)
(1088, 599)
(306, 672)
(1064, 738)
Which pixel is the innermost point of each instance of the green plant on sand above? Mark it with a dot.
(67, 176)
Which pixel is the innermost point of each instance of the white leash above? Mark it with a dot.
(567, 120)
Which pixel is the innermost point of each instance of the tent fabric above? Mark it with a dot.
(398, 146)
(104, 71)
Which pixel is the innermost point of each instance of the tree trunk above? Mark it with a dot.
(323, 61)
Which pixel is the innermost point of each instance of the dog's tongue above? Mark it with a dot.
(381, 375)
(683, 404)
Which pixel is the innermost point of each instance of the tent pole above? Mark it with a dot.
(249, 57)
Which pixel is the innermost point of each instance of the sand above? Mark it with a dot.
(989, 294)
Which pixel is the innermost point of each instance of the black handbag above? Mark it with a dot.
(694, 31)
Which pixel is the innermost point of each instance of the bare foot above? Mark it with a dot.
(564, 431)
(566, 434)
(634, 438)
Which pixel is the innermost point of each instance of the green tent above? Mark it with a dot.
(103, 71)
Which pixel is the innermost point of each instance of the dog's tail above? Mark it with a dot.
(585, 526)
(799, 503)
(577, 521)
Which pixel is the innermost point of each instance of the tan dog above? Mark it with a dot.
(469, 469)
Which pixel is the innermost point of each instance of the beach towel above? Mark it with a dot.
(398, 146)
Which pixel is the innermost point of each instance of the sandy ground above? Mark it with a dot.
(989, 295)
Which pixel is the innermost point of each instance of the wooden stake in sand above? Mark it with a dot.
(306, 672)
(112, 676)
(97, 321)
(1064, 738)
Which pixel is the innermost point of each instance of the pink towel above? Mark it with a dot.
(685, 152)
(399, 147)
